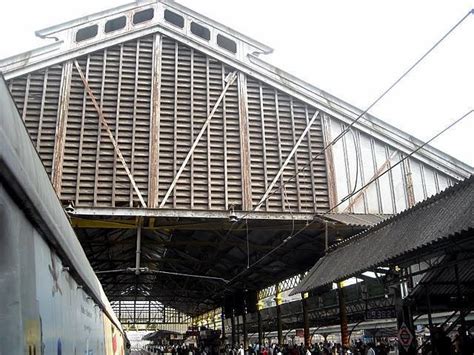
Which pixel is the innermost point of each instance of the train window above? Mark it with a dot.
(143, 16)
(115, 24)
(86, 33)
(200, 31)
(174, 18)
(226, 43)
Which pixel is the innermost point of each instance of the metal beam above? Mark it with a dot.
(60, 136)
(244, 143)
(184, 213)
(155, 122)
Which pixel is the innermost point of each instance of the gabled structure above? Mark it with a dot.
(158, 123)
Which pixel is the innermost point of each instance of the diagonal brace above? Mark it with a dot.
(109, 132)
(288, 158)
(229, 81)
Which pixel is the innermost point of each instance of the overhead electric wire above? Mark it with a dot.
(380, 97)
(291, 236)
(349, 127)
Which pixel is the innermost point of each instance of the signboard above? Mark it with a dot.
(380, 313)
(300, 333)
(405, 337)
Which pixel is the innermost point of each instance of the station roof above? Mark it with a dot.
(423, 227)
(198, 243)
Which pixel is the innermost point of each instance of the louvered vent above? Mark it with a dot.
(190, 86)
(36, 96)
(120, 78)
(276, 121)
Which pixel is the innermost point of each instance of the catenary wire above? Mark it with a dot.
(291, 236)
(380, 97)
(349, 127)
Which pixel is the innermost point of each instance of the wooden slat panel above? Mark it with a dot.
(37, 98)
(120, 77)
(276, 122)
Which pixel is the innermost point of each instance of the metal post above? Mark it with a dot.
(343, 316)
(244, 331)
(278, 311)
(139, 249)
(460, 297)
(259, 327)
(403, 317)
(149, 312)
(238, 330)
(223, 328)
(232, 322)
(326, 237)
(307, 336)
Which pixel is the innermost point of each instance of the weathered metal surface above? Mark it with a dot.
(430, 222)
(357, 219)
(104, 123)
(359, 158)
(187, 87)
(60, 135)
(155, 122)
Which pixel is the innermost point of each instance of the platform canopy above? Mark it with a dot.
(187, 164)
(434, 228)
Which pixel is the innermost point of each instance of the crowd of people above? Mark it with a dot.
(326, 348)
(442, 345)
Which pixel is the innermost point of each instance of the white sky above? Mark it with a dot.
(351, 49)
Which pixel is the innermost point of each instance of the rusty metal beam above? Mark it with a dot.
(109, 132)
(60, 137)
(288, 158)
(230, 80)
(244, 143)
(155, 123)
(187, 213)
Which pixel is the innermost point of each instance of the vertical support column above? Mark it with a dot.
(61, 125)
(307, 336)
(120, 311)
(237, 329)
(259, 328)
(331, 170)
(404, 317)
(343, 316)
(232, 319)
(278, 311)
(244, 143)
(224, 335)
(155, 124)
(244, 331)
(149, 312)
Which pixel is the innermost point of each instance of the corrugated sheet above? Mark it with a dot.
(429, 222)
(357, 219)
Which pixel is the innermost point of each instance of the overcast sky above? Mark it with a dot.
(351, 49)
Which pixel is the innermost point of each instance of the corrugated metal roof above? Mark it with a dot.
(357, 219)
(428, 222)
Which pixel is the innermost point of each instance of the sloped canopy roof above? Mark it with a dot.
(429, 223)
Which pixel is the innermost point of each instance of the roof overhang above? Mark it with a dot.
(425, 229)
